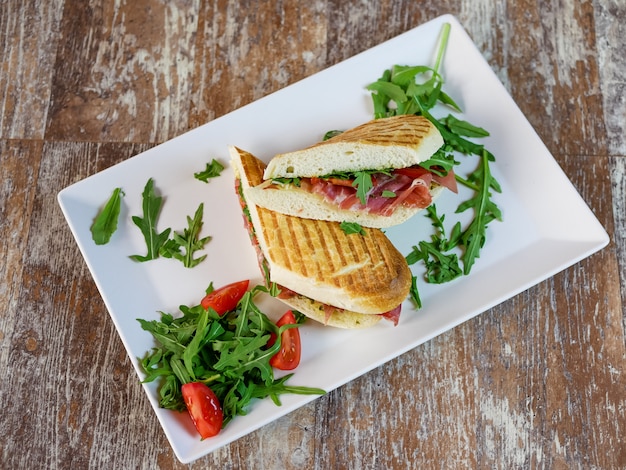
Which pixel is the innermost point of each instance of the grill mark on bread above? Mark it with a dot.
(277, 254)
(394, 132)
(304, 238)
(327, 239)
(341, 256)
(377, 254)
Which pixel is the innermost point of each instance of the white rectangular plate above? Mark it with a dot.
(534, 241)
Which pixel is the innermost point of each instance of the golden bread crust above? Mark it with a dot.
(403, 130)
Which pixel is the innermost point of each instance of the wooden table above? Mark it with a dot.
(537, 382)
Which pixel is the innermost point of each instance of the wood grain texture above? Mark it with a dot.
(242, 57)
(29, 31)
(536, 382)
(123, 71)
(610, 18)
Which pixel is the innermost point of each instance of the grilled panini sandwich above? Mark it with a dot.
(339, 279)
(370, 175)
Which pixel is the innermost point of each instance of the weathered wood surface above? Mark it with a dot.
(537, 382)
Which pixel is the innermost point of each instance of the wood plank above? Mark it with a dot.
(28, 46)
(610, 19)
(123, 71)
(557, 88)
(19, 163)
(233, 66)
(618, 190)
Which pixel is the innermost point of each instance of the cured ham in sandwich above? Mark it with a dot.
(370, 175)
(338, 279)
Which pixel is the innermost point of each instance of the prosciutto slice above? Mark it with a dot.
(388, 192)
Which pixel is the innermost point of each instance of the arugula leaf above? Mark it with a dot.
(188, 241)
(441, 266)
(363, 184)
(414, 294)
(212, 170)
(352, 227)
(278, 387)
(464, 128)
(331, 134)
(441, 162)
(228, 353)
(486, 211)
(147, 224)
(105, 224)
(390, 90)
(294, 181)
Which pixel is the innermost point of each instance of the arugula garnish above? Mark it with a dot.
(105, 223)
(417, 90)
(485, 210)
(189, 241)
(331, 134)
(414, 294)
(228, 353)
(352, 227)
(147, 224)
(212, 170)
(286, 181)
(361, 180)
(441, 162)
(440, 266)
(363, 184)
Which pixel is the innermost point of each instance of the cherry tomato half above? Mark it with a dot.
(225, 298)
(204, 408)
(288, 357)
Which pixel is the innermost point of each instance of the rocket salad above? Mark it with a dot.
(220, 355)
(417, 90)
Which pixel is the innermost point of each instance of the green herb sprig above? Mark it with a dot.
(441, 265)
(227, 353)
(151, 204)
(212, 170)
(352, 227)
(189, 242)
(105, 223)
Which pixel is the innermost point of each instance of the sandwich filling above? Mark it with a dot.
(377, 192)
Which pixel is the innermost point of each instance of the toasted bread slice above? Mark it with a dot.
(393, 142)
(363, 275)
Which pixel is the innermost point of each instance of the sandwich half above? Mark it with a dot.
(370, 175)
(338, 279)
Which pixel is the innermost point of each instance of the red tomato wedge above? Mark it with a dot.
(225, 298)
(204, 408)
(288, 357)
